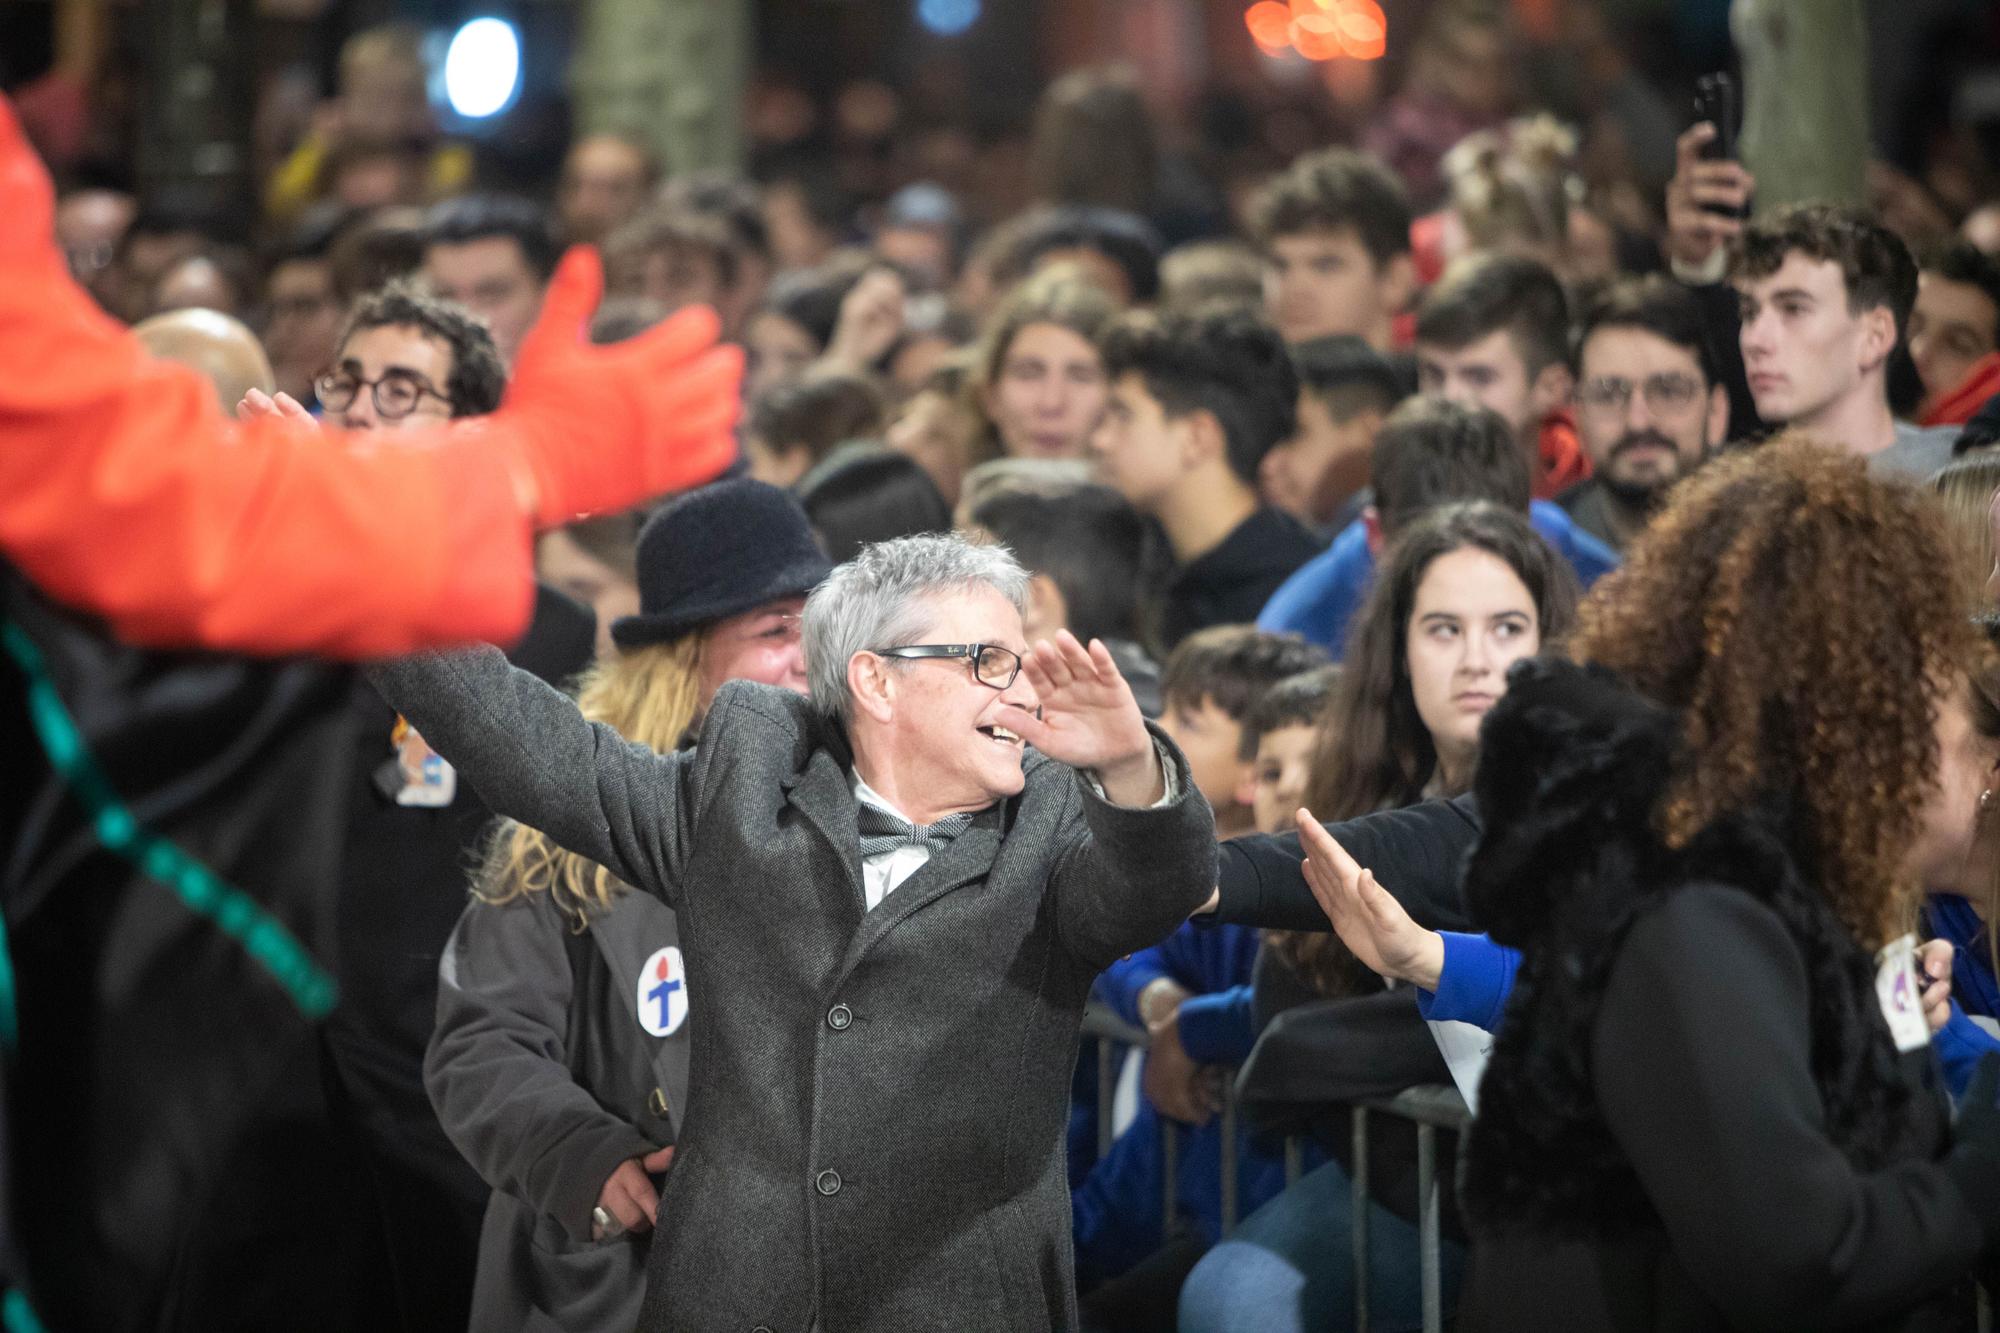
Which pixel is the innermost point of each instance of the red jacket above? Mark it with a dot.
(125, 491)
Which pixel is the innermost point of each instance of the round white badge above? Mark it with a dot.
(663, 995)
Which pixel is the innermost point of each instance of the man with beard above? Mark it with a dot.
(1650, 405)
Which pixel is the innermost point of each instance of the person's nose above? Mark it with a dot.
(1021, 694)
(1755, 337)
(1638, 413)
(360, 414)
(1457, 389)
(1475, 656)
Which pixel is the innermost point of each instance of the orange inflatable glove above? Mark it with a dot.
(604, 427)
(125, 491)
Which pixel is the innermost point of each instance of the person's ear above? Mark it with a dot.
(1371, 527)
(1878, 336)
(1202, 438)
(1718, 418)
(871, 685)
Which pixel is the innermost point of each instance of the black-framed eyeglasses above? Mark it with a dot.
(992, 666)
(1670, 392)
(397, 394)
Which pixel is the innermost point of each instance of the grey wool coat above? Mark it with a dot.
(873, 1131)
(551, 1063)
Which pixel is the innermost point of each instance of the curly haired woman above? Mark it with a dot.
(1712, 1102)
(1695, 1117)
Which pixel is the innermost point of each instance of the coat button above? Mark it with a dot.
(839, 1017)
(828, 1183)
(656, 1102)
(760, 1329)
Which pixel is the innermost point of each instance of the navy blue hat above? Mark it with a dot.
(718, 552)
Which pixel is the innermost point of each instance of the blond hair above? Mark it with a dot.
(1965, 489)
(651, 695)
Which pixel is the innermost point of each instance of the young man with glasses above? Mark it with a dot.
(1650, 407)
(407, 360)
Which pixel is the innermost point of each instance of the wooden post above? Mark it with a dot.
(670, 73)
(1805, 84)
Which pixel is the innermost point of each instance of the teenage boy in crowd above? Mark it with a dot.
(1346, 388)
(1650, 406)
(492, 254)
(1955, 333)
(1335, 231)
(1431, 451)
(1193, 994)
(1825, 296)
(1494, 333)
(1197, 402)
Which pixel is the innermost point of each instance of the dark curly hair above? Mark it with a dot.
(478, 377)
(1800, 616)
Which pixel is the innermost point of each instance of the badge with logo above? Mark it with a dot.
(663, 996)
(1900, 989)
(417, 776)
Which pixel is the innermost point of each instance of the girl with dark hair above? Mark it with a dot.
(1463, 594)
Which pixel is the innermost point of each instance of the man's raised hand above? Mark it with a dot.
(1088, 718)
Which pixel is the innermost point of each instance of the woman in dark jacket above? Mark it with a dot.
(1712, 1102)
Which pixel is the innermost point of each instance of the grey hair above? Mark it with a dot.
(876, 601)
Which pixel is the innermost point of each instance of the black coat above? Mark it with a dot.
(1695, 1116)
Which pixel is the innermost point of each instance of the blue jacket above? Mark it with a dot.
(1116, 1209)
(1321, 598)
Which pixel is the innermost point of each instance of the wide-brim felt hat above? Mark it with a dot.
(718, 552)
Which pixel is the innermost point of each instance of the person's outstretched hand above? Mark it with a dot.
(612, 426)
(281, 406)
(1370, 923)
(1088, 718)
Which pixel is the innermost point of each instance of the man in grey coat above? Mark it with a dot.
(892, 910)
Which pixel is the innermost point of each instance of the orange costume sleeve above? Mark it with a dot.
(126, 492)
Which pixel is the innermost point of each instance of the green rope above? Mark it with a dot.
(309, 986)
(17, 1316)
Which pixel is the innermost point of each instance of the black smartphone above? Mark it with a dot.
(1718, 101)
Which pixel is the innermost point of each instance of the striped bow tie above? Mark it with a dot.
(882, 832)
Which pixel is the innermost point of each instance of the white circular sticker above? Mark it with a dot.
(663, 995)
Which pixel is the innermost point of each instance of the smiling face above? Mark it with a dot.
(1472, 618)
(1805, 351)
(926, 732)
(1048, 393)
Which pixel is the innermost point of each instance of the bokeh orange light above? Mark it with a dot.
(1319, 29)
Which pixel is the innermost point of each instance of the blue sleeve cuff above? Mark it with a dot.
(1960, 1044)
(1473, 987)
(1121, 984)
(1219, 1029)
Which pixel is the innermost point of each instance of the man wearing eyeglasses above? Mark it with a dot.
(408, 360)
(1650, 406)
(893, 897)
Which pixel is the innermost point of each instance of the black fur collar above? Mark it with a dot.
(1572, 766)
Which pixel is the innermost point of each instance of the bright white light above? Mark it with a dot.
(482, 68)
(948, 18)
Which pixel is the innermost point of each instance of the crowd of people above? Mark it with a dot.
(1408, 592)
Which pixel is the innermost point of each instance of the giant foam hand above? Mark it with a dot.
(608, 427)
